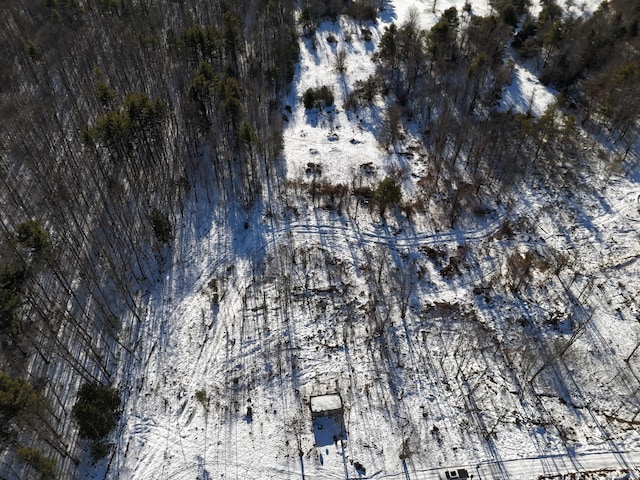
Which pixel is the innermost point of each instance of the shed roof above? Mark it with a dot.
(326, 403)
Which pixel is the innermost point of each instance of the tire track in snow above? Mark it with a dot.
(274, 235)
(399, 241)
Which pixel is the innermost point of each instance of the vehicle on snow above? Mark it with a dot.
(459, 474)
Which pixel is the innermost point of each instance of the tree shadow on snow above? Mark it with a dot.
(328, 430)
(388, 13)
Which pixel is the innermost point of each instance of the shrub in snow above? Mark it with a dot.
(201, 396)
(95, 410)
(387, 193)
(317, 97)
(161, 225)
(11, 282)
(30, 234)
(44, 466)
(16, 397)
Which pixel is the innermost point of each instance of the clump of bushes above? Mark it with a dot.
(320, 97)
(16, 396)
(202, 397)
(363, 11)
(30, 234)
(122, 125)
(162, 228)
(44, 466)
(364, 92)
(387, 193)
(100, 449)
(95, 410)
(11, 281)
(224, 88)
(105, 93)
(314, 11)
(202, 43)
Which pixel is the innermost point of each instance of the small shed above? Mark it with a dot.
(326, 405)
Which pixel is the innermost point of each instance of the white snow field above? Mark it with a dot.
(253, 315)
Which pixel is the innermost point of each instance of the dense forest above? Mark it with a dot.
(114, 110)
(111, 111)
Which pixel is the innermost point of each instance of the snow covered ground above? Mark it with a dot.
(247, 324)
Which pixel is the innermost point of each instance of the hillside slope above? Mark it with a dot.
(319, 239)
(505, 344)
